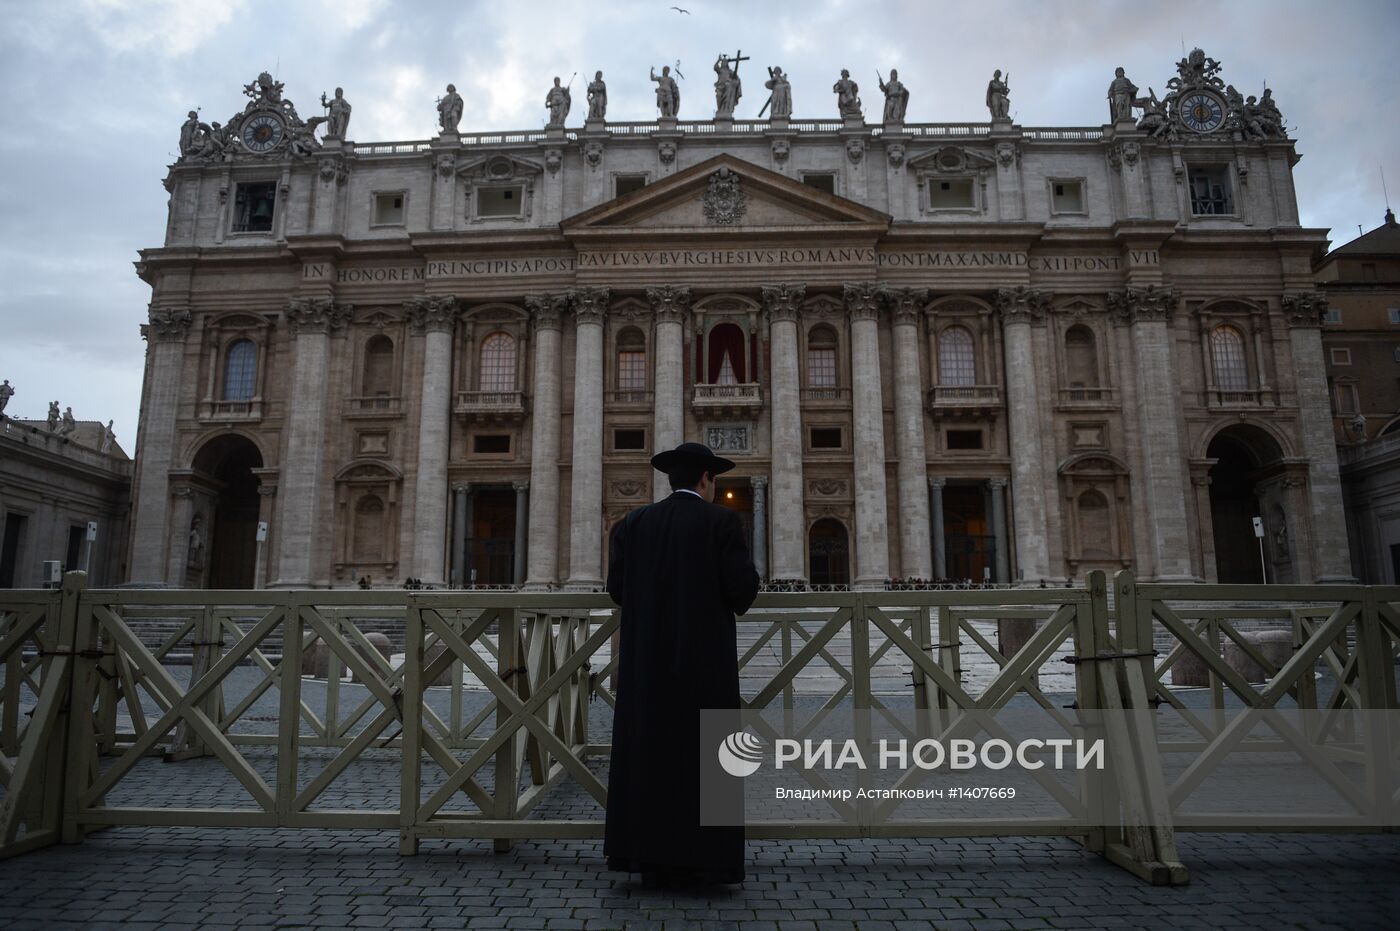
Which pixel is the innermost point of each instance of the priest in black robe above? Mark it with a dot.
(681, 570)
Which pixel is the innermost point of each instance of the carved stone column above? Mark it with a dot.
(586, 495)
(1019, 308)
(670, 303)
(760, 525)
(543, 569)
(788, 533)
(1000, 555)
(299, 526)
(940, 543)
(435, 318)
(1331, 552)
(166, 334)
(1148, 311)
(906, 307)
(522, 510)
(460, 492)
(868, 436)
(181, 516)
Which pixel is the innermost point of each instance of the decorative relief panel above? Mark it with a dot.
(729, 439)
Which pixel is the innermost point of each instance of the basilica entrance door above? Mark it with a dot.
(829, 553)
(736, 495)
(491, 538)
(226, 465)
(969, 545)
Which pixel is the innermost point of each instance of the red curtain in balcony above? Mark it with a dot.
(726, 339)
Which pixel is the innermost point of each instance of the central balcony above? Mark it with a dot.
(727, 401)
(491, 406)
(968, 402)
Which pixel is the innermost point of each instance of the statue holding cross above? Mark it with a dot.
(728, 88)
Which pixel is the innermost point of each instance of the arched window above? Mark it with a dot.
(377, 378)
(497, 363)
(957, 364)
(240, 371)
(726, 363)
(631, 360)
(1227, 352)
(821, 357)
(369, 529)
(1095, 531)
(1081, 359)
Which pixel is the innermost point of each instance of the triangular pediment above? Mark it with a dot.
(726, 194)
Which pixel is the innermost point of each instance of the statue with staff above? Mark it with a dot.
(559, 100)
(896, 97)
(728, 87)
(449, 109)
(668, 93)
(999, 96)
(337, 117)
(779, 96)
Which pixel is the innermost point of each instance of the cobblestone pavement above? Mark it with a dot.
(182, 877)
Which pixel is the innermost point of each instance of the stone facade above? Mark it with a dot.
(935, 351)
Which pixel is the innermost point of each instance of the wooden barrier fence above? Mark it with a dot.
(87, 708)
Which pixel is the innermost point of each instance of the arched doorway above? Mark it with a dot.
(228, 513)
(828, 553)
(1247, 460)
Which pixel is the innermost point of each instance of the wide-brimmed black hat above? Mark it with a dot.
(690, 454)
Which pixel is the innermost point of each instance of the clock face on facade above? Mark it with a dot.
(1202, 112)
(262, 133)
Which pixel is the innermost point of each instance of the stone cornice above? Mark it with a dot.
(1138, 305)
(781, 301)
(437, 314)
(317, 315)
(1021, 304)
(863, 300)
(671, 303)
(1304, 308)
(590, 305)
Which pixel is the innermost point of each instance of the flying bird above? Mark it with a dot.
(679, 10)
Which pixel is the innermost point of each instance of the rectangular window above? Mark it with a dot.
(1395, 315)
(491, 444)
(821, 180)
(1210, 191)
(389, 209)
(500, 201)
(631, 370)
(626, 184)
(953, 194)
(629, 439)
(964, 439)
(826, 437)
(1066, 196)
(253, 206)
(1344, 398)
(1332, 315)
(1341, 357)
(821, 368)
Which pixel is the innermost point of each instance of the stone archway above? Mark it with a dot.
(1246, 482)
(828, 553)
(222, 539)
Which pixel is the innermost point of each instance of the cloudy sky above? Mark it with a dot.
(95, 91)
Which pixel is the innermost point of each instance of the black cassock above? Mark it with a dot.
(681, 570)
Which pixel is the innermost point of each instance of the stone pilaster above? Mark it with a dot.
(435, 318)
(1021, 307)
(1002, 570)
(868, 436)
(1331, 552)
(1148, 311)
(522, 511)
(312, 322)
(670, 304)
(181, 516)
(906, 307)
(166, 334)
(460, 491)
(543, 569)
(789, 525)
(759, 484)
(940, 552)
(586, 494)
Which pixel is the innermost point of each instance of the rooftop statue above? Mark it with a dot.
(847, 96)
(1156, 118)
(1122, 97)
(597, 98)
(728, 87)
(999, 96)
(337, 114)
(6, 392)
(69, 424)
(668, 95)
(190, 133)
(1270, 117)
(559, 101)
(108, 438)
(53, 416)
(780, 94)
(449, 107)
(896, 97)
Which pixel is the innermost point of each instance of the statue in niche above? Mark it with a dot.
(449, 108)
(597, 97)
(6, 392)
(999, 96)
(337, 114)
(1122, 96)
(194, 555)
(53, 416)
(69, 424)
(896, 97)
(728, 87)
(779, 102)
(668, 94)
(558, 100)
(847, 94)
